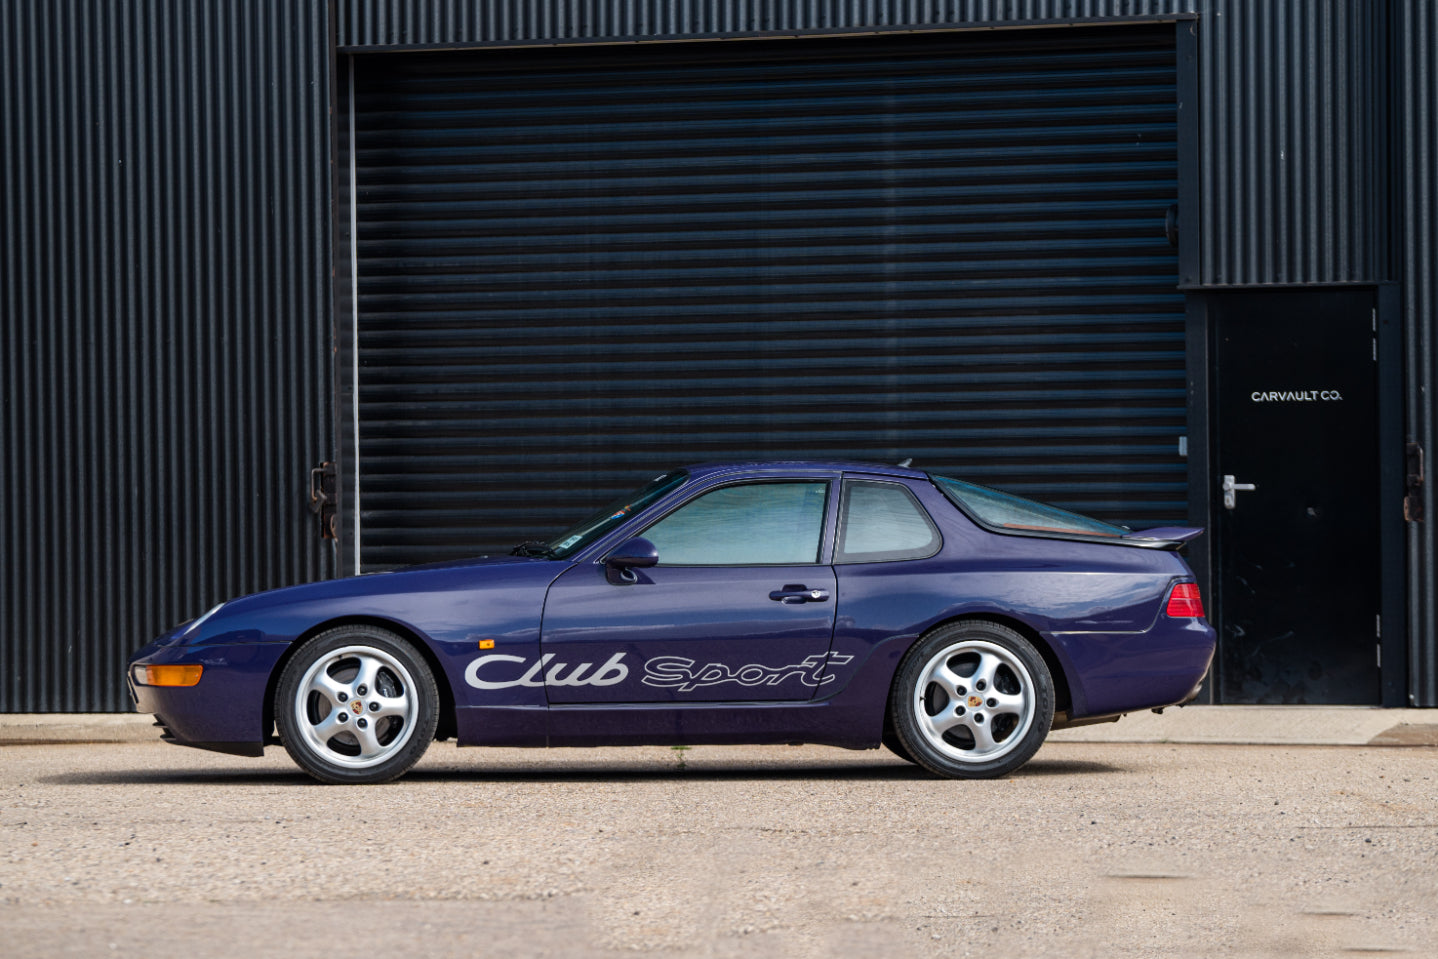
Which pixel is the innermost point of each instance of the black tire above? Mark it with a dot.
(356, 705)
(891, 742)
(972, 700)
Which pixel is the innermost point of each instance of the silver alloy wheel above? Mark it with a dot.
(355, 707)
(974, 701)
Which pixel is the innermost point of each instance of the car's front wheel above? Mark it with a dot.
(972, 700)
(891, 741)
(356, 704)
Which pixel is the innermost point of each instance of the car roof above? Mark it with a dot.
(761, 467)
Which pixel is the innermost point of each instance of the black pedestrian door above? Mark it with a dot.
(1296, 496)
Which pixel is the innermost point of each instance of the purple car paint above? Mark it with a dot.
(537, 650)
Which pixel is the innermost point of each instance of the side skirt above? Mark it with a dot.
(825, 723)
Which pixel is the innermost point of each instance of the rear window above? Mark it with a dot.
(1007, 512)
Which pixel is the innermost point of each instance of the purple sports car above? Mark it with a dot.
(847, 604)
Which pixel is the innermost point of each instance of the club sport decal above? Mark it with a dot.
(613, 671)
(680, 673)
(674, 672)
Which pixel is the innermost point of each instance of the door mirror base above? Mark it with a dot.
(636, 553)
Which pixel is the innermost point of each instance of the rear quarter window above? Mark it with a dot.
(882, 523)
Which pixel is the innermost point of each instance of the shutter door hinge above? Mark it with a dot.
(1413, 483)
(322, 498)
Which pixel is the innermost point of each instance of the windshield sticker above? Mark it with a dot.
(569, 542)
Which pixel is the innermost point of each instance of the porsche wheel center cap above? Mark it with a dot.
(975, 702)
(357, 706)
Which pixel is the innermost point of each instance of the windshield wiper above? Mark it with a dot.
(533, 547)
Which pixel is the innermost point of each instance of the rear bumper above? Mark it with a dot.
(1124, 672)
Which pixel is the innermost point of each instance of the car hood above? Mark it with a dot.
(464, 564)
(372, 592)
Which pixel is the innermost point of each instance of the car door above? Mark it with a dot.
(740, 606)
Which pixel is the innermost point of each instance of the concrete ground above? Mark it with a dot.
(1093, 849)
(1262, 725)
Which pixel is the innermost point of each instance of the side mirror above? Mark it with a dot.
(637, 553)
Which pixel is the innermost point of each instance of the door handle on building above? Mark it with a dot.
(1232, 489)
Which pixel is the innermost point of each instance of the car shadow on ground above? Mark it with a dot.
(570, 772)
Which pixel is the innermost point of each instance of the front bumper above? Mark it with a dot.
(225, 710)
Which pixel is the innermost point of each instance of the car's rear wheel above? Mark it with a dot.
(972, 700)
(356, 704)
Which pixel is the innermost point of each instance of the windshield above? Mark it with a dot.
(1007, 511)
(580, 536)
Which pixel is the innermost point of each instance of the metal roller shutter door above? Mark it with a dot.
(579, 268)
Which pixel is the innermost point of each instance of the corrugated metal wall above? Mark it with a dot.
(1294, 165)
(578, 269)
(164, 274)
(368, 23)
(1415, 97)
(166, 324)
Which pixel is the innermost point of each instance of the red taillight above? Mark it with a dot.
(1184, 601)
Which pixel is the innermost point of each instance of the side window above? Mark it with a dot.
(882, 522)
(761, 524)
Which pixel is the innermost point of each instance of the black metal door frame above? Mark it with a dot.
(346, 62)
(346, 321)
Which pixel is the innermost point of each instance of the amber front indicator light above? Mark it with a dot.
(1184, 602)
(187, 675)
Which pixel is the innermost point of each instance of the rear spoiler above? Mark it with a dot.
(1166, 537)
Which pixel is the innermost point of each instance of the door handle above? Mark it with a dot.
(1231, 490)
(792, 595)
